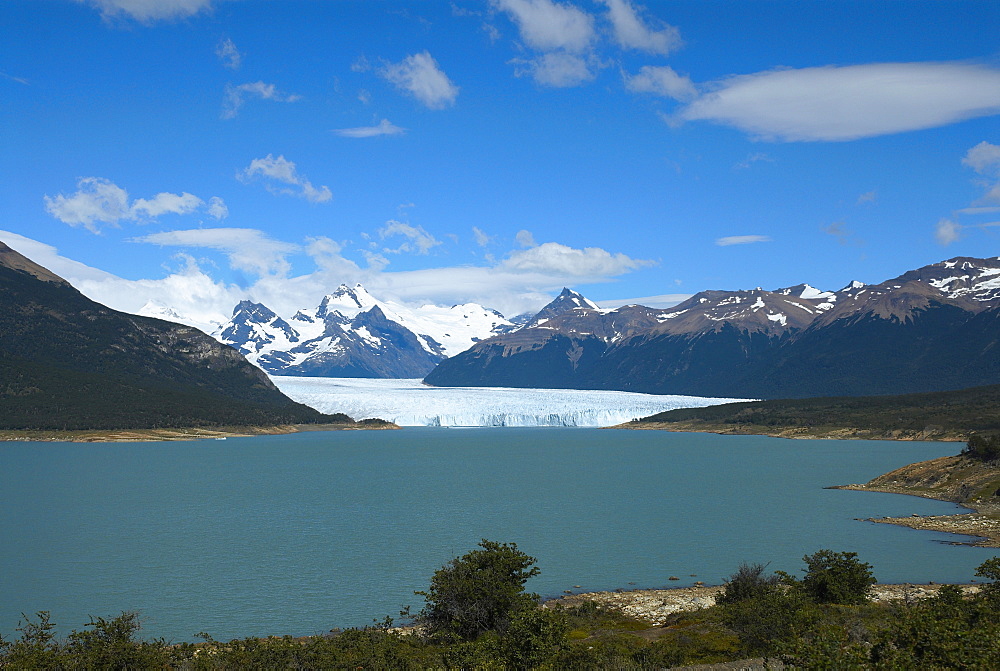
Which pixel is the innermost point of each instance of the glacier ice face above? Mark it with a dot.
(412, 403)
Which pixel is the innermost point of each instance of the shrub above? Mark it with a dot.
(748, 582)
(478, 592)
(837, 577)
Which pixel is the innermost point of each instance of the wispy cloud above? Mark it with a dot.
(283, 171)
(756, 157)
(99, 201)
(235, 96)
(847, 103)
(984, 159)
(660, 80)
(420, 76)
(416, 238)
(229, 54)
(557, 69)
(384, 127)
(248, 249)
(551, 257)
(19, 80)
(867, 197)
(741, 240)
(482, 238)
(632, 32)
(149, 11)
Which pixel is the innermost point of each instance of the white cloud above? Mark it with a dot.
(420, 76)
(229, 54)
(217, 208)
(96, 201)
(984, 158)
(555, 258)
(549, 26)
(148, 11)
(100, 201)
(247, 249)
(417, 239)
(741, 240)
(557, 69)
(632, 33)
(522, 283)
(662, 81)
(165, 203)
(525, 238)
(235, 96)
(384, 127)
(846, 103)
(282, 170)
(867, 197)
(947, 231)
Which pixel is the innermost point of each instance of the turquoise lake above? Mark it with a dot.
(298, 534)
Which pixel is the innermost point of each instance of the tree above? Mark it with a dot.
(478, 592)
(983, 448)
(837, 577)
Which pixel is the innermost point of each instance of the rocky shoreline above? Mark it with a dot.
(657, 605)
(957, 479)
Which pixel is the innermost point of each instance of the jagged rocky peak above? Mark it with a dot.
(254, 325)
(806, 291)
(250, 311)
(566, 301)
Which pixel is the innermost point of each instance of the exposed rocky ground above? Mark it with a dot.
(972, 483)
(656, 605)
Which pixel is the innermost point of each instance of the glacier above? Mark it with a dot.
(409, 402)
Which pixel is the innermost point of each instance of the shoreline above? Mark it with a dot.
(954, 479)
(796, 432)
(180, 434)
(657, 605)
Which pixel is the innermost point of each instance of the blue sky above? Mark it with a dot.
(196, 152)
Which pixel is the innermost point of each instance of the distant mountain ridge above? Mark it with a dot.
(934, 328)
(67, 362)
(353, 334)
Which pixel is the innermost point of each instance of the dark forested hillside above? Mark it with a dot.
(67, 362)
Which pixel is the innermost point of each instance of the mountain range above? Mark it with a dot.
(353, 334)
(67, 362)
(934, 328)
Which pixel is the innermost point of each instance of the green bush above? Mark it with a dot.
(478, 592)
(837, 577)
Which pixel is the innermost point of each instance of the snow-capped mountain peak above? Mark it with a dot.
(348, 301)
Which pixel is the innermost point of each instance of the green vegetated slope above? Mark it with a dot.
(940, 415)
(69, 363)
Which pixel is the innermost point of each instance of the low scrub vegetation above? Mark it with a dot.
(477, 615)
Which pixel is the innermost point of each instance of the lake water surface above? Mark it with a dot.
(298, 534)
